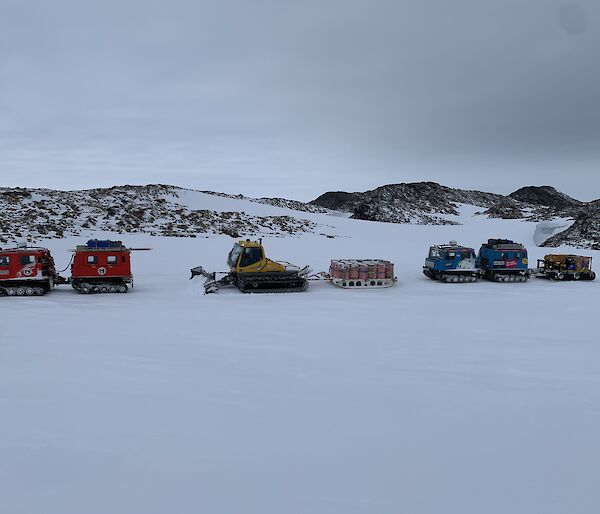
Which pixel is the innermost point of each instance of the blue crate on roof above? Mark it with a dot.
(103, 243)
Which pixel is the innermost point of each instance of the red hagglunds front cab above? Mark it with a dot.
(101, 266)
(97, 267)
(27, 271)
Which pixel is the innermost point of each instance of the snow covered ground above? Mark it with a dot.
(425, 398)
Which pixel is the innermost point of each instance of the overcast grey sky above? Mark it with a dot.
(290, 98)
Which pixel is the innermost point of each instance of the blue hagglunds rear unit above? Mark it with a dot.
(503, 260)
(451, 263)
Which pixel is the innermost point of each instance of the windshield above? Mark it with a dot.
(234, 255)
(454, 254)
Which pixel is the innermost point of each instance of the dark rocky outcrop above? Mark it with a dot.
(416, 202)
(338, 201)
(583, 233)
(546, 196)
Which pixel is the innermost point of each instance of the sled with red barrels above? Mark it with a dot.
(361, 273)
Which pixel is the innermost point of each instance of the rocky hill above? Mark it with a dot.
(431, 203)
(31, 214)
(545, 196)
(421, 203)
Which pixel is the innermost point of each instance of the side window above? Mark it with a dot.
(251, 256)
(24, 260)
(4, 261)
(92, 259)
(111, 259)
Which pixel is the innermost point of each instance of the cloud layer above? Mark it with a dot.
(292, 98)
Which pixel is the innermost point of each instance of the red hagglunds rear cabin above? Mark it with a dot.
(101, 267)
(27, 271)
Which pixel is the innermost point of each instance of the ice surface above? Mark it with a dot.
(423, 398)
(544, 230)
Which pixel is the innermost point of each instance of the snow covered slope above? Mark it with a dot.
(426, 398)
(31, 214)
(162, 210)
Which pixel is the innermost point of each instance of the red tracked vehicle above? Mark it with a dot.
(102, 266)
(27, 271)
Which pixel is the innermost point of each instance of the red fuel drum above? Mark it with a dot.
(361, 269)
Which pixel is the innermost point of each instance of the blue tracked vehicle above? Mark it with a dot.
(503, 260)
(451, 263)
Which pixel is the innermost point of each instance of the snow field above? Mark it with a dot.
(424, 398)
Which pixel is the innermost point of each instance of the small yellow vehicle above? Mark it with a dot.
(251, 272)
(565, 267)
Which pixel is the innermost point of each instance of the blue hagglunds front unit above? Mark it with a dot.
(451, 263)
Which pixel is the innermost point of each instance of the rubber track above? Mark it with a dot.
(38, 291)
(94, 288)
(462, 279)
(513, 279)
(273, 279)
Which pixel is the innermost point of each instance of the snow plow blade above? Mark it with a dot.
(211, 284)
(199, 270)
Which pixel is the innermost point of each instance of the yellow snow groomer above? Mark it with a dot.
(252, 272)
(566, 267)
